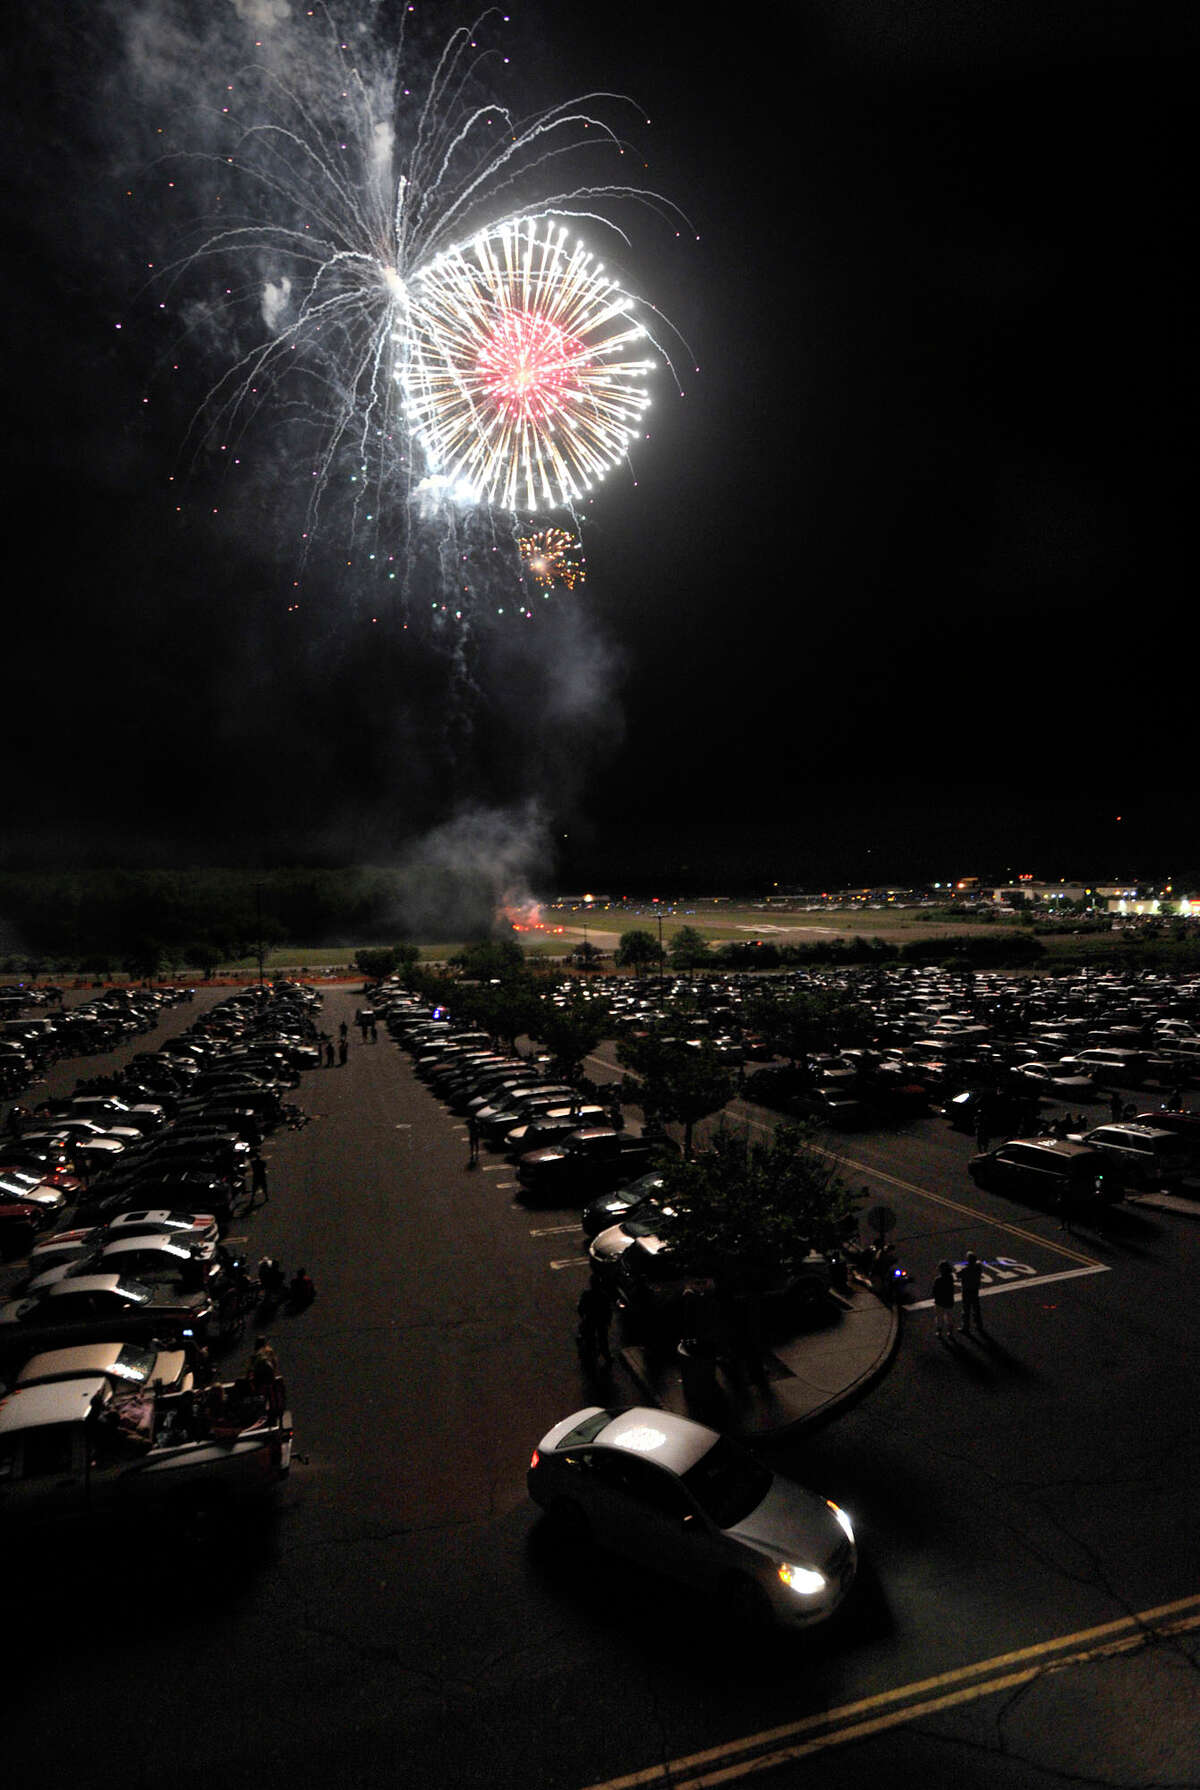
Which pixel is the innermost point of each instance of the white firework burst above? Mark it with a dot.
(523, 366)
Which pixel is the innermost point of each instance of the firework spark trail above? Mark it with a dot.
(409, 298)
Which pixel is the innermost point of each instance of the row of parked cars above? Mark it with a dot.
(565, 1146)
(30, 1041)
(105, 1411)
(142, 1172)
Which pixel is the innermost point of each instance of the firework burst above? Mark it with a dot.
(552, 557)
(416, 327)
(523, 367)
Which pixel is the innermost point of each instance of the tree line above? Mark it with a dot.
(145, 921)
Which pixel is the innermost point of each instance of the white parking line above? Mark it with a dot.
(571, 1261)
(555, 1230)
(1019, 1286)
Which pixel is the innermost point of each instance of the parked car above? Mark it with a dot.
(70, 1448)
(1182, 1124)
(1147, 1155)
(1058, 1080)
(25, 1187)
(127, 1366)
(185, 1187)
(624, 1202)
(1048, 1171)
(583, 1164)
(606, 1249)
(98, 1307)
(684, 1501)
(19, 1222)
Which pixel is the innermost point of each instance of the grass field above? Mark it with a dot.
(723, 922)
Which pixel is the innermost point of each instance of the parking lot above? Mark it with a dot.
(403, 1604)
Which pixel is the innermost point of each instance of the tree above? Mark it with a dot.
(637, 949)
(489, 959)
(203, 956)
(688, 949)
(798, 1024)
(570, 1030)
(675, 1080)
(746, 1214)
(375, 961)
(407, 958)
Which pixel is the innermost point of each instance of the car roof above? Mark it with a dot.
(1132, 1130)
(147, 1240)
(86, 1283)
(77, 1362)
(1053, 1146)
(59, 1401)
(674, 1442)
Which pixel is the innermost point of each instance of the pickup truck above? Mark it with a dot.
(71, 1448)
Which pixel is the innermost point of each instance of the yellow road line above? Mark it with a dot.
(940, 1199)
(890, 1709)
(972, 1212)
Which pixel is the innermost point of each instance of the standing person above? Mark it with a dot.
(595, 1315)
(970, 1278)
(258, 1179)
(343, 1051)
(943, 1301)
(473, 1135)
(1116, 1106)
(329, 1053)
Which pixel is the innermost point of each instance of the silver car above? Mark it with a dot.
(685, 1501)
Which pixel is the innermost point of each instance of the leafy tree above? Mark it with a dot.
(407, 958)
(489, 959)
(637, 949)
(571, 1029)
(749, 954)
(143, 960)
(821, 1019)
(375, 961)
(688, 949)
(203, 956)
(744, 1213)
(675, 1080)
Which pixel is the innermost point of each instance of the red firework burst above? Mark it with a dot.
(530, 367)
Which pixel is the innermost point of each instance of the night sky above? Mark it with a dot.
(901, 589)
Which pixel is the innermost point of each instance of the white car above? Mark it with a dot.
(677, 1497)
(126, 1366)
(184, 1227)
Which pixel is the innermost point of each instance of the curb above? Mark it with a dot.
(816, 1413)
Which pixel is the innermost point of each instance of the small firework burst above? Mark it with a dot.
(553, 557)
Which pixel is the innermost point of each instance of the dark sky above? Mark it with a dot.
(902, 588)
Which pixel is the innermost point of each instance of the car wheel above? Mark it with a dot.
(747, 1605)
(569, 1522)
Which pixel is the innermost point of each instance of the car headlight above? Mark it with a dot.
(803, 1579)
(846, 1525)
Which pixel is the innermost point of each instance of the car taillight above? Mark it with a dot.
(534, 1459)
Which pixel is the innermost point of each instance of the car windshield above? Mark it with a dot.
(589, 1429)
(727, 1484)
(135, 1291)
(133, 1364)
